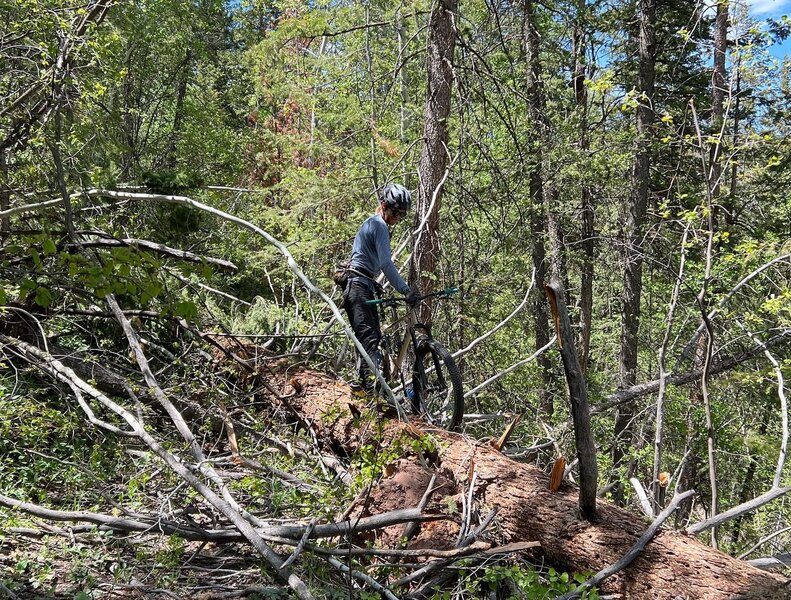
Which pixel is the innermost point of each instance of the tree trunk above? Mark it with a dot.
(671, 566)
(434, 155)
(178, 116)
(633, 233)
(538, 213)
(718, 89)
(586, 198)
(578, 395)
(5, 195)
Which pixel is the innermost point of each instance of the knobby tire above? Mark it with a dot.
(438, 393)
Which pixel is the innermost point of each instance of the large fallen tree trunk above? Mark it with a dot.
(672, 565)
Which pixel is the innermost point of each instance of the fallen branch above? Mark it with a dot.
(642, 389)
(739, 510)
(777, 562)
(223, 264)
(62, 373)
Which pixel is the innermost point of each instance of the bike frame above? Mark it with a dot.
(411, 324)
(410, 336)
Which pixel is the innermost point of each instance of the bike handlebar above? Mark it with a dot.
(446, 293)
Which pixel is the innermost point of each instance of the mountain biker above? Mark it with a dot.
(370, 257)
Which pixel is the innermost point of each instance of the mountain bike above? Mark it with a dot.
(435, 392)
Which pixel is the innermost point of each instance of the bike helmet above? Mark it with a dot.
(396, 197)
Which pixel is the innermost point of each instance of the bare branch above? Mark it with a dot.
(650, 387)
(513, 367)
(781, 458)
(739, 510)
(62, 373)
(501, 324)
(226, 265)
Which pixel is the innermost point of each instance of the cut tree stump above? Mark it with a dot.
(672, 566)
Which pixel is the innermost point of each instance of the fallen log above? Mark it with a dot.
(672, 564)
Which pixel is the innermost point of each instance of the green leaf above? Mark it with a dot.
(49, 247)
(186, 309)
(43, 297)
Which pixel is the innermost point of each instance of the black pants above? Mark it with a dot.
(364, 320)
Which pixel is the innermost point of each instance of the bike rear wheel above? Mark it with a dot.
(436, 382)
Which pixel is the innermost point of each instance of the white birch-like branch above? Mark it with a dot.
(161, 249)
(24, 208)
(762, 541)
(502, 323)
(659, 431)
(781, 458)
(645, 503)
(513, 367)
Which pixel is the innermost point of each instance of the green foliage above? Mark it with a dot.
(298, 111)
(371, 460)
(44, 446)
(525, 581)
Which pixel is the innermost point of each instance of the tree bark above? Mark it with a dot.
(586, 195)
(5, 195)
(578, 394)
(671, 566)
(538, 215)
(633, 233)
(718, 89)
(434, 155)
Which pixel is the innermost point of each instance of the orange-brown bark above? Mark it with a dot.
(672, 565)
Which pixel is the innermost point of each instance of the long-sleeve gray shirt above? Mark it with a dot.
(371, 252)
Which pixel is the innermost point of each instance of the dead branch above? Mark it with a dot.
(578, 394)
(778, 562)
(724, 365)
(370, 581)
(62, 373)
(659, 429)
(739, 510)
(513, 367)
(411, 527)
(781, 458)
(501, 324)
(223, 264)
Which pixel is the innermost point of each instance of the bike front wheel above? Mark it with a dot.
(436, 382)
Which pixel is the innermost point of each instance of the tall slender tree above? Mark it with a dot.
(579, 41)
(434, 156)
(538, 214)
(632, 236)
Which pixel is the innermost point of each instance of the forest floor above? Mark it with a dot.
(41, 559)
